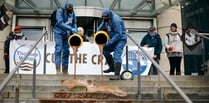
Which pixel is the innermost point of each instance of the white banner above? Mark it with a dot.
(19, 49)
(87, 62)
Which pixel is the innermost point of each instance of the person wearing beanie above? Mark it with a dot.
(173, 25)
(153, 39)
(15, 35)
(174, 48)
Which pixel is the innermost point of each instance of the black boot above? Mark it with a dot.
(58, 69)
(65, 69)
(110, 63)
(117, 68)
(178, 73)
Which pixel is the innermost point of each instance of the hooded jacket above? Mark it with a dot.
(12, 36)
(65, 22)
(115, 28)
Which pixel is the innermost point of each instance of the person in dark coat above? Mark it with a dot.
(153, 39)
(15, 35)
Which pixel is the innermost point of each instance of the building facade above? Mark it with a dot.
(138, 17)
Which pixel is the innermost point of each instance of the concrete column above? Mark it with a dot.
(166, 17)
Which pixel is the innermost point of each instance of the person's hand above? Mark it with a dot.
(74, 30)
(146, 46)
(107, 44)
(170, 48)
(155, 56)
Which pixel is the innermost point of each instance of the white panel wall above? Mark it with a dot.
(34, 22)
(138, 23)
(88, 11)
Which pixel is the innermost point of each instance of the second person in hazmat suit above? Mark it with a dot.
(65, 26)
(114, 26)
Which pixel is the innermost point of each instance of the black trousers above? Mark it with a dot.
(153, 69)
(7, 64)
(175, 65)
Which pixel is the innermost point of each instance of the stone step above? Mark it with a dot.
(105, 77)
(147, 95)
(55, 100)
(145, 89)
(98, 100)
(118, 101)
(131, 83)
(196, 87)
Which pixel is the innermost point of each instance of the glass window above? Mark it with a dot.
(137, 36)
(33, 33)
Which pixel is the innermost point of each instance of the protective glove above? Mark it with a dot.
(74, 30)
(107, 44)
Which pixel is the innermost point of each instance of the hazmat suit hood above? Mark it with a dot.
(67, 3)
(107, 12)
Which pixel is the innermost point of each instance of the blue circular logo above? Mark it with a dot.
(133, 57)
(21, 52)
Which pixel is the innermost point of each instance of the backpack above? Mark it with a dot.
(166, 49)
(53, 18)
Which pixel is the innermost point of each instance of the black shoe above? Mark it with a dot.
(108, 70)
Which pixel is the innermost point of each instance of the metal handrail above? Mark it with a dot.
(8, 78)
(170, 81)
(203, 35)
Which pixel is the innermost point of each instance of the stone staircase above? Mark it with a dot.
(48, 87)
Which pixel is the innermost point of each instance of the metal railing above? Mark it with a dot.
(8, 78)
(204, 36)
(169, 80)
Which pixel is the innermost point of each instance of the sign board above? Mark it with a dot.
(87, 63)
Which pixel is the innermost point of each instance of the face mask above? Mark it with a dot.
(69, 11)
(19, 34)
(106, 19)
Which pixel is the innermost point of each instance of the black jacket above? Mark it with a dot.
(155, 42)
(11, 36)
